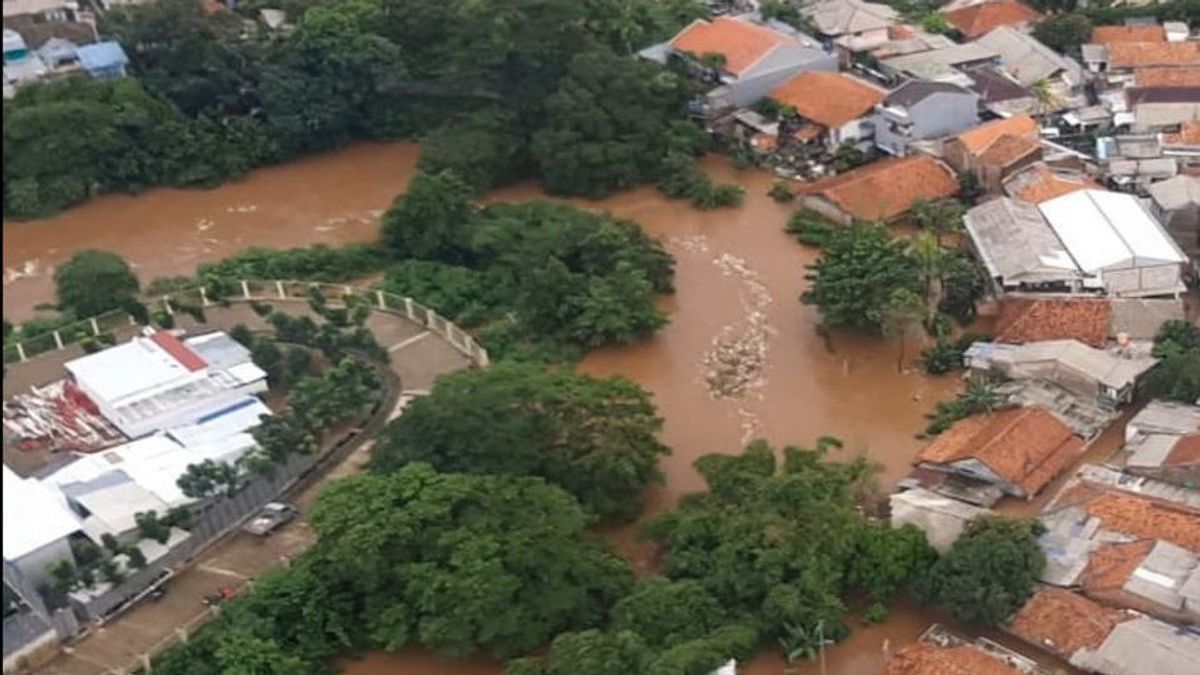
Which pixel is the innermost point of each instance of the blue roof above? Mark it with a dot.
(102, 55)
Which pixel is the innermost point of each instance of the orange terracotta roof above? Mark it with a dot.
(1008, 149)
(900, 32)
(743, 44)
(1189, 134)
(1185, 451)
(981, 137)
(831, 99)
(1064, 622)
(1146, 518)
(976, 20)
(1111, 565)
(1039, 184)
(1022, 320)
(1107, 35)
(888, 188)
(926, 659)
(1138, 54)
(1026, 446)
(213, 7)
(1160, 76)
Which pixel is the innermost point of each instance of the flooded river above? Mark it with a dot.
(740, 359)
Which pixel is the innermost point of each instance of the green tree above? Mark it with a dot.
(609, 125)
(899, 314)
(486, 150)
(207, 479)
(459, 563)
(151, 527)
(940, 218)
(989, 573)
(595, 438)
(853, 280)
(664, 612)
(775, 543)
(281, 436)
(887, 559)
(431, 220)
(1064, 32)
(93, 282)
(1177, 375)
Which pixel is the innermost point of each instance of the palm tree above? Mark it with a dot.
(933, 260)
(940, 218)
(1043, 93)
(903, 309)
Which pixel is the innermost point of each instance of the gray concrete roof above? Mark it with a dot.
(1165, 417)
(1175, 193)
(1027, 59)
(1142, 646)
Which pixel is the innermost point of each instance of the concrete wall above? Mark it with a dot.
(1143, 280)
(33, 565)
(826, 208)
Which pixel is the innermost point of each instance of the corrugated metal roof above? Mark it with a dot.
(1108, 230)
(102, 55)
(121, 371)
(24, 534)
(233, 419)
(218, 350)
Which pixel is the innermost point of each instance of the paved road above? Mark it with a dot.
(417, 359)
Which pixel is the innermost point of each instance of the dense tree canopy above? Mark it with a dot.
(209, 98)
(1064, 32)
(854, 279)
(452, 562)
(595, 438)
(92, 282)
(780, 545)
(1177, 375)
(535, 273)
(989, 573)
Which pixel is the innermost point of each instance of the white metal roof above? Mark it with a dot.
(126, 369)
(1109, 230)
(158, 475)
(91, 466)
(232, 419)
(34, 516)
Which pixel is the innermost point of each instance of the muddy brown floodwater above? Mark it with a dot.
(740, 359)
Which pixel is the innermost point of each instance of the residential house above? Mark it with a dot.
(1183, 145)
(1018, 249)
(941, 652)
(832, 107)
(21, 65)
(905, 39)
(103, 60)
(1102, 639)
(1154, 577)
(920, 110)
(1025, 319)
(883, 190)
(1108, 35)
(941, 518)
(853, 25)
(1019, 450)
(1040, 182)
(1158, 109)
(995, 150)
(1119, 61)
(754, 58)
(1163, 442)
(1176, 204)
(1167, 76)
(1001, 94)
(1105, 378)
(974, 21)
(1101, 507)
(1030, 62)
(941, 65)
(59, 54)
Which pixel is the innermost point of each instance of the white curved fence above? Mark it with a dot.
(250, 290)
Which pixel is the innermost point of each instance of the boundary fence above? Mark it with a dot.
(248, 290)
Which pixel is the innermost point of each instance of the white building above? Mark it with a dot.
(157, 381)
(37, 524)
